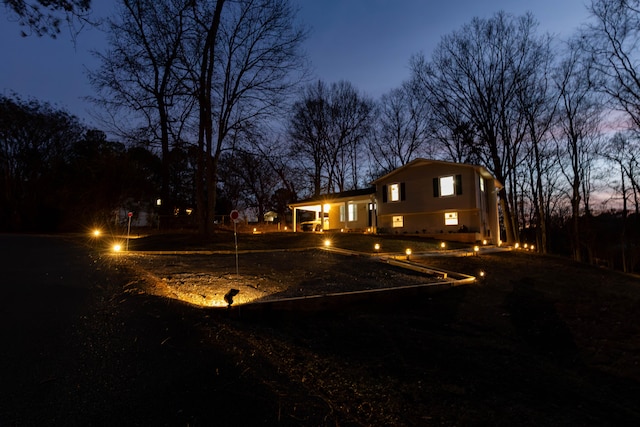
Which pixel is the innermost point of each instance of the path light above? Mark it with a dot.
(228, 297)
(517, 245)
(476, 249)
(117, 247)
(96, 233)
(376, 247)
(443, 245)
(484, 242)
(408, 252)
(327, 243)
(526, 246)
(532, 247)
(482, 275)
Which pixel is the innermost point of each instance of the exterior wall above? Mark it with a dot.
(423, 213)
(362, 215)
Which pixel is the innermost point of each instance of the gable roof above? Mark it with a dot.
(424, 162)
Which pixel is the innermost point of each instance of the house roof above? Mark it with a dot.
(423, 162)
(334, 197)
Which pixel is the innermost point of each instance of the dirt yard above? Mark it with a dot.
(538, 341)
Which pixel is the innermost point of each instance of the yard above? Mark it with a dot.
(538, 341)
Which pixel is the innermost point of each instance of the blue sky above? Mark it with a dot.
(367, 42)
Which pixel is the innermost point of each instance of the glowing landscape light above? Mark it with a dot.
(117, 247)
(327, 243)
(96, 233)
(443, 245)
(376, 247)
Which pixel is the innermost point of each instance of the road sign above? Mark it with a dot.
(234, 215)
(130, 214)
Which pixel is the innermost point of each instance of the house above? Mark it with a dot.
(427, 197)
(347, 211)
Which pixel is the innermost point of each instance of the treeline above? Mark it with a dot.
(220, 92)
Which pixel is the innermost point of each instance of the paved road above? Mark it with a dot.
(77, 349)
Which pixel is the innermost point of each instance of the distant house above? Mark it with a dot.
(426, 197)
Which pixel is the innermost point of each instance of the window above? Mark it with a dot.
(341, 213)
(451, 218)
(353, 211)
(393, 192)
(398, 221)
(445, 186)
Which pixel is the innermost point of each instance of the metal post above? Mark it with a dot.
(235, 238)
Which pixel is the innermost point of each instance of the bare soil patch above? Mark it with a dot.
(204, 279)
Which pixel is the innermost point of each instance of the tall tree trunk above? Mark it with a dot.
(205, 175)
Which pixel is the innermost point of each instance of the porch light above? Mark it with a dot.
(326, 208)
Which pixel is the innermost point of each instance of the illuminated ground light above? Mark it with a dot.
(117, 247)
(327, 243)
(408, 252)
(443, 245)
(376, 247)
(96, 233)
(517, 245)
(482, 274)
(476, 249)
(484, 242)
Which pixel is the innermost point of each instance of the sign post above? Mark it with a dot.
(235, 215)
(130, 214)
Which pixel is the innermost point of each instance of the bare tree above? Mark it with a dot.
(140, 74)
(43, 17)
(537, 104)
(579, 116)
(328, 128)
(401, 130)
(244, 85)
(474, 77)
(611, 41)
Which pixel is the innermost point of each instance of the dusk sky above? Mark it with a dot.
(367, 42)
